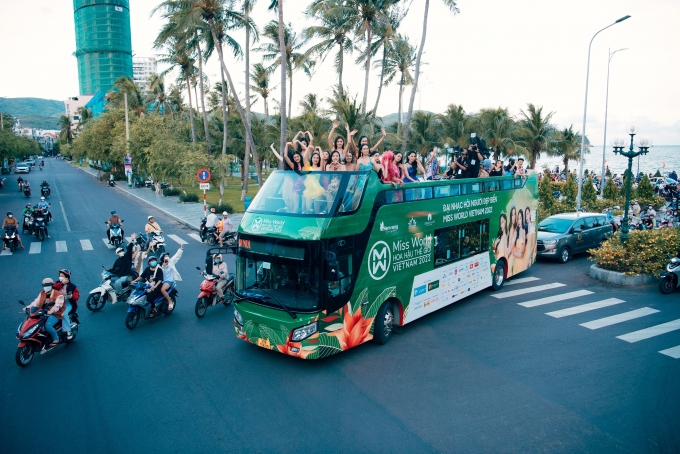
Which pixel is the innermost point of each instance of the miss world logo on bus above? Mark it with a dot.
(379, 260)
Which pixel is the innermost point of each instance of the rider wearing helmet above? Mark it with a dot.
(151, 226)
(69, 290)
(153, 274)
(9, 222)
(220, 269)
(50, 295)
(114, 219)
(45, 184)
(122, 267)
(20, 183)
(45, 207)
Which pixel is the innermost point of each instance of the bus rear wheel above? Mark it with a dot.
(384, 324)
(498, 276)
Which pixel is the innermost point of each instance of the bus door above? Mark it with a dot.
(340, 272)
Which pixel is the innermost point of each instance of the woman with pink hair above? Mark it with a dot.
(390, 170)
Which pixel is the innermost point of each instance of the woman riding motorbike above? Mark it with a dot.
(170, 274)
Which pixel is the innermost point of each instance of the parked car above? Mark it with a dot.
(22, 167)
(562, 235)
(30, 162)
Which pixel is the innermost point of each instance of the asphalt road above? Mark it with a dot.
(483, 375)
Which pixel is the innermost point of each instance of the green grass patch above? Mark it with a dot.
(232, 194)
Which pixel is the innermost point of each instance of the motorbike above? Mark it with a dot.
(669, 279)
(138, 183)
(10, 239)
(157, 249)
(140, 308)
(27, 225)
(33, 337)
(39, 225)
(208, 296)
(45, 191)
(116, 234)
(148, 183)
(99, 296)
(112, 183)
(165, 186)
(27, 192)
(229, 241)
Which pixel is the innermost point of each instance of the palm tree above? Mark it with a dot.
(361, 16)
(400, 61)
(567, 143)
(122, 86)
(296, 59)
(334, 30)
(451, 125)
(85, 115)
(157, 99)
(178, 58)
(451, 4)
(260, 79)
(424, 133)
(535, 133)
(497, 128)
(66, 129)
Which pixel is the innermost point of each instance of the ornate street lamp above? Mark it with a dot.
(619, 145)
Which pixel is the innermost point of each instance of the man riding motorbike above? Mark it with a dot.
(151, 226)
(40, 211)
(45, 207)
(50, 295)
(20, 184)
(114, 219)
(154, 275)
(10, 221)
(170, 274)
(28, 210)
(46, 185)
(122, 267)
(70, 292)
(220, 269)
(227, 226)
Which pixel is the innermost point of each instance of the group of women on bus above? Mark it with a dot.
(515, 239)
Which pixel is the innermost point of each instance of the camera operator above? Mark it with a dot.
(451, 170)
(461, 164)
(475, 159)
(510, 168)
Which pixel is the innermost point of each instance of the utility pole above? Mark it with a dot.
(128, 159)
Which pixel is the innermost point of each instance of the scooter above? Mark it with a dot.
(10, 239)
(208, 296)
(99, 296)
(140, 308)
(45, 191)
(112, 183)
(157, 249)
(39, 229)
(116, 234)
(33, 337)
(27, 192)
(669, 279)
(27, 225)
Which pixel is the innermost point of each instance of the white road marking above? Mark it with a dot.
(652, 331)
(86, 245)
(521, 280)
(177, 239)
(585, 308)
(619, 318)
(35, 248)
(553, 299)
(672, 352)
(61, 246)
(106, 242)
(524, 291)
(65, 218)
(6, 252)
(196, 237)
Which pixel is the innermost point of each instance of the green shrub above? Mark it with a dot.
(588, 193)
(167, 192)
(570, 189)
(633, 194)
(610, 191)
(219, 209)
(646, 251)
(658, 174)
(645, 189)
(188, 197)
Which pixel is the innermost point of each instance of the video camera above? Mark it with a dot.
(477, 144)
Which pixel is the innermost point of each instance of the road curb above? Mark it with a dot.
(614, 277)
(176, 218)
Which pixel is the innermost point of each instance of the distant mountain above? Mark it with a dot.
(19, 107)
(39, 122)
(392, 118)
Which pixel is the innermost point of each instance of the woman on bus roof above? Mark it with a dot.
(364, 140)
(335, 165)
(288, 178)
(412, 167)
(364, 162)
(339, 143)
(399, 162)
(390, 171)
(349, 161)
(313, 189)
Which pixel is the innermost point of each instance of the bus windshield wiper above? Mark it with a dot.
(269, 295)
(250, 296)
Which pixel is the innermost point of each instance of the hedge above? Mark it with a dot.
(188, 197)
(646, 251)
(219, 209)
(167, 192)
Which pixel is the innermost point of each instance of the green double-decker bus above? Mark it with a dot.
(327, 261)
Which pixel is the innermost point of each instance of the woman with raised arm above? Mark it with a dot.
(364, 140)
(337, 144)
(313, 189)
(375, 162)
(288, 180)
(298, 183)
(412, 166)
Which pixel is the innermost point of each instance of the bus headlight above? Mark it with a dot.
(304, 332)
(238, 317)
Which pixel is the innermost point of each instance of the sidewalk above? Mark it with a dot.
(189, 214)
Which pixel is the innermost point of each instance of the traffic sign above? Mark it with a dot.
(205, 186)
(203, 175)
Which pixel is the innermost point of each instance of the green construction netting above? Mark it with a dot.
(103, 43)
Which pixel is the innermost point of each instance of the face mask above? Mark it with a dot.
(121, 254)
(153, 264)
(217, 262)
(47, 288)
(62, 278)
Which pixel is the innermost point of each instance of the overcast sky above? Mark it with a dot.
(494, 53)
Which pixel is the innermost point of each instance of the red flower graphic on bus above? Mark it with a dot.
(355, 329)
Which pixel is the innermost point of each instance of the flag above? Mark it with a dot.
(119, 8)
(664, 163)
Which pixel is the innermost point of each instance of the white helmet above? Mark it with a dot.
(42, 199)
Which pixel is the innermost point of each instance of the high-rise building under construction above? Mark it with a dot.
(103, 43)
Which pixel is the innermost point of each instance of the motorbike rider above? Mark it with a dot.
(154, 275)
(226, 223)
(122, 267)
(151, 226)
(70, 291)
(45, 184)
(211, 220)
(45, 207)
(40, 211)
(170, 274)
(220, 269)
(28, 210)
(27, 185)
(20, 184)
(10, 221)
(114, 219)
(50, 295)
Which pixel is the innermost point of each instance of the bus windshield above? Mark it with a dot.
(317, 194)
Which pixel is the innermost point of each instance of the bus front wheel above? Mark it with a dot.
(499, 276)
(384, 324)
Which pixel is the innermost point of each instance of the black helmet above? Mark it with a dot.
(9, 213)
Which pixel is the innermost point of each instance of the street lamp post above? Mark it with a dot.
(606, 107)
(618, 145)
(585, 110)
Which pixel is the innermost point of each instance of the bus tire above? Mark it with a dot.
(384, 324)
(498, 278)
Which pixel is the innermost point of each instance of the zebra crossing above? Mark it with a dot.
(84, 244)
(593, 307)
